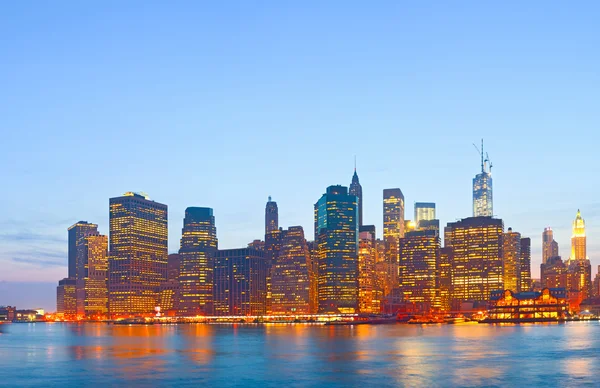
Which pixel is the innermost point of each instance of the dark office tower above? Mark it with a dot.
(419, 259)
(76, 233)
(368, 300)
(445, 278)
(271, 217)
(290, 285)
(336, 232)
(553, 273)
(170, 290)
(240, 282)
(197, 250)
(483, 204)
(430, 225)
(66, 300)
(356, 189)
(511, 261)
(138, 254)
(313, 276)
(549, 246)
(92, 276)
(393, 231)
(424, 211)
(477, 257)
(525, 275)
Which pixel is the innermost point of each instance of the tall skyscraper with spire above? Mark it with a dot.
(483, 205)
(579, 280)
(356, 189)
(271, 217)
(549, 246)
(578, 239)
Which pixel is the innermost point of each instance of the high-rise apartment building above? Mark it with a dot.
(483, 204)
(240, 282)
(424, 211)
(138, 254)
(77, 232)
(336, 233)
(290, 284)
(92, 276)
(549, 246)
(525, 266)
(419, 261)
(511, 261)
(476, 244)
(356, 190)
(368, 302)
(197, 250)
(271, 216)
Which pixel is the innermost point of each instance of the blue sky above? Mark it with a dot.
(222, 105)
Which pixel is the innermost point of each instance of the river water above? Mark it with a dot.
(300, 355)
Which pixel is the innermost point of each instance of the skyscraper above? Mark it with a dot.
(290, 286)
(525, 267)
(419, 259)
(92, 276)
(578, 239)
(76, 232)
(367, 254)
(424, 211)
(66, 300)
(511, 261)
(271, 217)
(336, 233)
(445, 278)
(393, 231)
(138, 254)
(476, 244)
(240, 282)
(483, 204)
(313, 276)
(549, 246)
(356, 189)
(198, 246)
(579, 277)
(170, 290)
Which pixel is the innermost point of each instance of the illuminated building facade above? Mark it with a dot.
(336, 233)
(240, 282)
(170, 290)
(290, 284)
(92, 277)
(553, 273)
(356, 190)
(579, 278)
(66, 298)
(551, 304)
(367, 254)
(511, 261)
(313, 276)
(483, 204)
(525, 267)
(424, 211)
(578, 239)
(271, 216)
(445, 278)
(197, 249)
(409, 226)
(549, 246)
(138, 254)
(76, 233)
(476, 244)
(419, 259)
(393, 231)
(430, 225)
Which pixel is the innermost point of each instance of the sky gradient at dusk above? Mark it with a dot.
(222, 105)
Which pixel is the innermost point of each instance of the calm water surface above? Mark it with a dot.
(300, 355)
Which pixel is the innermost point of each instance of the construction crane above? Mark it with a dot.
(485, 159)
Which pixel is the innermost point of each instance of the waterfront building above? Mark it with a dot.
(336, 233)
(418, 269)
(240, 282)
(393, 231)
(483, 205)
(525, 265)
(511, 260)
(66, 299)
(356, 190)
(271, 216)
(290, 284)
(551, 304)
(596, 284)
(445, 278)
(549, 245)
(92, 276)
(138, 254)
(170, 290)
(7, 313)
(197, 249)
(368, 302)
(476, 244)
(76, 233)
(424, 211)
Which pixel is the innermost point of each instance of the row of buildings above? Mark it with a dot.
(345, 269)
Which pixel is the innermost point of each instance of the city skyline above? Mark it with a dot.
(529, 91)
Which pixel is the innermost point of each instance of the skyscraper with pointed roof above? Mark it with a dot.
(271, 216)
(578, 239)
(483, 204)
(356, 189)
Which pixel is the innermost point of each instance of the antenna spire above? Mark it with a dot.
(482, 161)
(354, 163)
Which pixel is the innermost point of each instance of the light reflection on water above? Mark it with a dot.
(301, 355)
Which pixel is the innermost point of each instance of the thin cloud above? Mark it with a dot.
(38, 262)
(30, 236)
